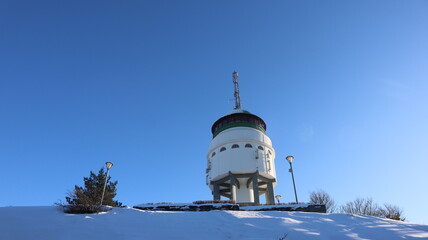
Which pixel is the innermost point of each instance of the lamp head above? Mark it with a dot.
(278, 197)
(290, 159)
(109, 165)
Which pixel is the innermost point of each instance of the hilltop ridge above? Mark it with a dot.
(21, 223)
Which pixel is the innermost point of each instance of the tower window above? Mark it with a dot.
(235, 146)
(213, 154)
(222, 149)
(260, 147)
(269, 152)
(248, 145)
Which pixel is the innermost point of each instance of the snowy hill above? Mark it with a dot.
(125, 223)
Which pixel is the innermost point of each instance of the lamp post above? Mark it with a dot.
(108, 165)
(290, 160)
(278, 197)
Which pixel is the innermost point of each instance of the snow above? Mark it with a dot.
(261, 207)
(180, 204)
(20, 223)
(247, 208)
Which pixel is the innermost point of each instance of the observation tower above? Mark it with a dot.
(240, 160)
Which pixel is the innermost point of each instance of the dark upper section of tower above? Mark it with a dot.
(238, 119)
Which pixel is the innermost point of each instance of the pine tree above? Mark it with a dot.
(87, 199)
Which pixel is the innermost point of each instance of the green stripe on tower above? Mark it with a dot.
(238, 124)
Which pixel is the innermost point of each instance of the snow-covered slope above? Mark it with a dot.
(46, 223)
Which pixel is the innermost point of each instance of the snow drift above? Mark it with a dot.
(21, 223)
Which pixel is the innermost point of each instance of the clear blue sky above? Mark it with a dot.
(342, 86)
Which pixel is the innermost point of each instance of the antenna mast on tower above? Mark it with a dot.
(237, 98)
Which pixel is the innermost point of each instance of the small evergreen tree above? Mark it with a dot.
(87, 199)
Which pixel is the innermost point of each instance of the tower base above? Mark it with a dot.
(244, 187)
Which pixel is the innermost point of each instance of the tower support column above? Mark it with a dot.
(232, 187)
(270, 199)
(256, 188)
(216, 192)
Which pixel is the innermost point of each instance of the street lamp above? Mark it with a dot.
(108, 165)
(290, 160)
(278, 197)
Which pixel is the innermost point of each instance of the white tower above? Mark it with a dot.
(241, 157)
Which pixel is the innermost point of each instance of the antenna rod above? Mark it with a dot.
(237, 98)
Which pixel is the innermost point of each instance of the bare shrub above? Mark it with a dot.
(392, 212)
(322, 197)
(364, 206)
